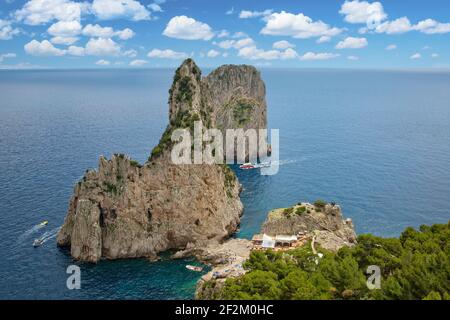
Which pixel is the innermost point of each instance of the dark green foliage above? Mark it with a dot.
(110, 188)
(320, 204)
(288, 212)
(300, 210)
(242, 112)
(414, 266)
(183, 119)
(134, 163)
(185, 90)
(121, 156)
(230, 178)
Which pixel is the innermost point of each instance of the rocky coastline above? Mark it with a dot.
(320, 224)
(128, 210)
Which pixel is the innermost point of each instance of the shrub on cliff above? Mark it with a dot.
(320, 204)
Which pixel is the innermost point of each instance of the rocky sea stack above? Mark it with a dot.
(128, 210)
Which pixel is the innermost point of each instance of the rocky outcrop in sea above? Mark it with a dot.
(128, 210)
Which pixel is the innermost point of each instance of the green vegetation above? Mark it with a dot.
(320, 205)
(288, 212)
(183, 119)
(230, 178)
(414, 266)
(120, 156)
(242, 110)
(110, 188)
(300, 210)
(185, 90)
(134, 163)
(185, 85)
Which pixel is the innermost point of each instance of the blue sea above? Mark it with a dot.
(376, 142)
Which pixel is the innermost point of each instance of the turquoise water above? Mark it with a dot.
(378, 143)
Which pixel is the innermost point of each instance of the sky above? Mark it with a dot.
(387, 34)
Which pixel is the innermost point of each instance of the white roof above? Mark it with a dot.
(268, 242)
(285, 238)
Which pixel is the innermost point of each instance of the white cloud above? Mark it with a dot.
(7, 56)
(253, 53)
(76, 51)
(229, 12)
(7, 32)
(246, 14)
(283, 44)
(125, 34)
(36, 12)
(97, 31)
(430, 26)
(310, 56)
(114, 9)
(353, 58)
(65, 28)
(155, 7)
(183, 27)
(223, 34)
(138, 63)
(102, 47)
(236, 44)
(391, 47)
(44, 48)
(166, 54)
(323, 39)
(212, 53)
(403, 25)
(352, 43)
(297, 25)
(416, 56)
(239, 34)
(64, 40)
(400, 25)
(130, 53)
(363, 12)
(435, 55)
(373, 15)
(103, 62)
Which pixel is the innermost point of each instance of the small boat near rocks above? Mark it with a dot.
(194, 268)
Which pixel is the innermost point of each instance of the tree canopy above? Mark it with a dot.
(414, 266)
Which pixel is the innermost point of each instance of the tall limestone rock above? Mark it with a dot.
(125, 210)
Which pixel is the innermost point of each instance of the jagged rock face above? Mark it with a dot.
(331, 230)
(237, 97)
(125, 210)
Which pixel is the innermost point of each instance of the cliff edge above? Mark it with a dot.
(128, 210)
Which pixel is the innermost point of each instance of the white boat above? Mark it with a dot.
(250, 166)
(37, 242)
(43, 223)
(194, 268)
(247, 166)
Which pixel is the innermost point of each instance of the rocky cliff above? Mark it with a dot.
(323, 220)
(319, 223)
(127, 210)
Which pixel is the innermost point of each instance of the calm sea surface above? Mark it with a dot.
(378, 143)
